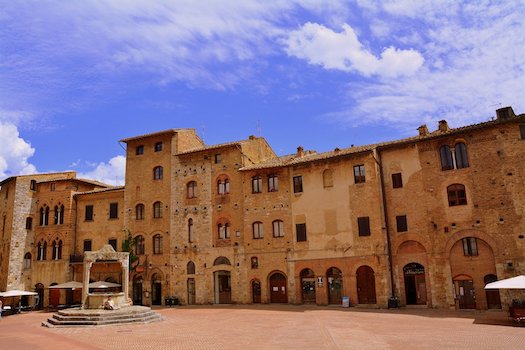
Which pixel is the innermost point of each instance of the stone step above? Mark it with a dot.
(96, 317)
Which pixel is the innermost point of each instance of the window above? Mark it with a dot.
(297, 184)
(257, 184)
(88, 215)
(53, 187)
(32, 185)
(218, 158)
(278, 228)
(191, 189)
(157, 244)
(113, 242)
(157, 210)
(363, 224)
(258, 232)
(27, 261)
(273, 183)
(224, 231)
(139, 245)
(59, 215)
(157, 173)
(139, 211)
(522, 131)
(41, 251)
(470, 246)
(397, 180)
(300, 231)
(87, 245)
(139, 150)
(57, 250)
(190, 268)
(456, 195)
(29, 223)
(446, 158)
(44, 215)
(328, 178)
(401, 223)
(254, 262)
(190, 231)
(223, 186)
(113, 210)
(359, 174)
(460, 152)
(158, 147)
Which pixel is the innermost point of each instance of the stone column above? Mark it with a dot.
(85, 286)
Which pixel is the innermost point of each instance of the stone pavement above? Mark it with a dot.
(276, 327)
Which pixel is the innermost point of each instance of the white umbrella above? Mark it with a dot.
(67, 285)
(16, 293)
(517, 282)
(103, 284)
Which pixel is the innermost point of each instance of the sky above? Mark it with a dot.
(78, 76)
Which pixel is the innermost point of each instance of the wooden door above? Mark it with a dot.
(54, 297)
(156, 293)
(191, 291)
(493, 298)
(223, 287)
(467, 296)
(278, 292)
(137, 292)
(335, 286)
(366, 285)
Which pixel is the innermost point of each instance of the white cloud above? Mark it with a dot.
(343, 51)
(112, 172)
(14, 152)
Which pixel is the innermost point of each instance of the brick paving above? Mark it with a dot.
(276, 327)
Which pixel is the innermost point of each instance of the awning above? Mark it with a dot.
(16, 293)
(517, 282)
(103, 284)
(67, 285)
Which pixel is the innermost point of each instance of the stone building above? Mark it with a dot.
(427, 220)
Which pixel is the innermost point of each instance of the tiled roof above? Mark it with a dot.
(163, 132)
(212, 147)
(100, 190)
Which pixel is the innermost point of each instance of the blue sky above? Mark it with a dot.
(77, 76)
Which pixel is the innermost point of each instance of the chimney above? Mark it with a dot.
(443, 126)
(300, 151)
(505, 113)
(252, 137)
(423, 130)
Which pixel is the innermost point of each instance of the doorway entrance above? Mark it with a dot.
(137, 290)
(493, 299)
(366, 285)
(308, 286)
(156, 289)
(278, 292)
(191, 291)
(415, 285)
(335, 285)
(223, 293)
(256, 291)
(39, 299)
(465, 293)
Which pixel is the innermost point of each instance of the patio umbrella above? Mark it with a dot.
(103, 284)
(67, 285)
(517, 282)
(16, 293)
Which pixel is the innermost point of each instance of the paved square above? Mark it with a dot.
(276, 327)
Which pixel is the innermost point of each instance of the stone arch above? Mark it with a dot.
(277, 282)
(472, 233)
(413, 288)
(221, 260)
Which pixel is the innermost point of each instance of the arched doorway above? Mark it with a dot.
(54, 296)
(493, 299)
(335, 285)
(156, 289)
(223, 293)
(308, 286)
(415, 286)
(256, 291)
(366, 285)
(137, 290)
(278, 292)
(191, 291)
(465, 292)
(39, 299)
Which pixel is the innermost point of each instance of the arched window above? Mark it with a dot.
(460, 152)
(27, 261)
(190, 268)
(221, 260)
(224, 230)
(191, 189)
(456, 195)
(139, 211)
(328, 180)
(44, 215)
(190, 231)
(41, 250)
(446, 158)
(157, 244)
(59, 214)
(278, 228)
(157, 210)
(139, 245)
(257, 230)
(57, 249)
(223, 186)
(157, 173)
(257, 184)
